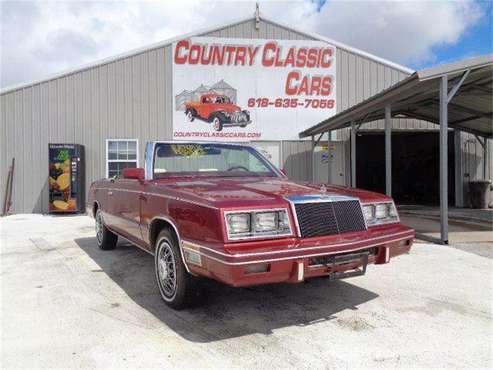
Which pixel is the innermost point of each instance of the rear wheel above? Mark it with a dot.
(105, 238)
(176, 285)
(217, 125)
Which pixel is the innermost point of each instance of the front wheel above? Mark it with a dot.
(190, 115)
(106, 239)
(175, 284)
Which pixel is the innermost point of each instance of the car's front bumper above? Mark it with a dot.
(292, 259)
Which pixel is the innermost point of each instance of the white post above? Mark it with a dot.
(444, 160)
(458, 172)
(329, 160)
(353, 155)
(388, 150)
(313, 159)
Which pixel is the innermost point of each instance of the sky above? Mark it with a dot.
(40, 38)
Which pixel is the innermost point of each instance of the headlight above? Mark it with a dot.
(265, 221)
(243, 225)
(380, 213)
(369, 212)
(238, 223)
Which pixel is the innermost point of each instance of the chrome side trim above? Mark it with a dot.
(168, 220)
(163, 196)
(243, 255)
(288, 258)
(149, 160)
(319, 198)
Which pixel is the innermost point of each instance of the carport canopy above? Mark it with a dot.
(456, 95)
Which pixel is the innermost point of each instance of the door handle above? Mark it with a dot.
(110, 193)
(143, 198)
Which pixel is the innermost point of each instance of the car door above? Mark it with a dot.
(124, 204)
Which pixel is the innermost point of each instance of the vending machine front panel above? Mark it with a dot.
(66, 178)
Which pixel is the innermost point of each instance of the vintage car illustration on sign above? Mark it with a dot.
(218, 110)
(222, 211)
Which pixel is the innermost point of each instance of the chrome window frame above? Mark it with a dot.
(151, 149)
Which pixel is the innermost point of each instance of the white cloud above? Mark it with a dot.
(41, 38)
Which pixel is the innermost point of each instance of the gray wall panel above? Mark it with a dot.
(297, 159)
(132, 97)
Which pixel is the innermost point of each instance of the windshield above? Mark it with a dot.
(192, 159)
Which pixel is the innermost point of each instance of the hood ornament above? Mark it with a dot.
(323, 189)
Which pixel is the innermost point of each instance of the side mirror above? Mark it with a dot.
(133, 173)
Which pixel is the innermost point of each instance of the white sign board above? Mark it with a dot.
(246, 90)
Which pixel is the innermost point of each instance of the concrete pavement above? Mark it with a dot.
(67, 304)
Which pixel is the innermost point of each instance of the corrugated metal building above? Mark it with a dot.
(130, 97)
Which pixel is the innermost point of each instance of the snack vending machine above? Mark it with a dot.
(66, 178)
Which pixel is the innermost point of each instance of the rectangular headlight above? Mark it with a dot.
(238, 223)
(369, 212)
(265, 221)
(244, 225)
(380, 213)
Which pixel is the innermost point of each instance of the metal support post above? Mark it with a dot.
(329, 159)
(459, 183)
(313, 158)
(388, 150)
(443, 159)
(353, 154)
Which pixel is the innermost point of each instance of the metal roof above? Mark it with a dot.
(417, 96)
(203, 32)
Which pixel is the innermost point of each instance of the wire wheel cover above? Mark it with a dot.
(99, 227)
(166, 269)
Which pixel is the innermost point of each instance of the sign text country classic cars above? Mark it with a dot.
(241, 90)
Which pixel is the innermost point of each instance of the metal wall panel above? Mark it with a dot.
(132, 98)
(297, 159)
(125, 98)
(358, 78)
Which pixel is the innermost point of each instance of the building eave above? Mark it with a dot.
(196, 33)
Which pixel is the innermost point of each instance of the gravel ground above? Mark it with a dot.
(66, 304)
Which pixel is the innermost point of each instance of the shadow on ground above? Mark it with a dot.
(226, 312)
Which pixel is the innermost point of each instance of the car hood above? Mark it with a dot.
(253, 191)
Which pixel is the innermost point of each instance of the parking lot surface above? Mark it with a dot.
(67, 304)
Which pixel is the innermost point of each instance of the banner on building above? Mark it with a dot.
(245, 89)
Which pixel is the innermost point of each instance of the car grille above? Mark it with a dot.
(329, 218)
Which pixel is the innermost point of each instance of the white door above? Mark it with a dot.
(332, 157)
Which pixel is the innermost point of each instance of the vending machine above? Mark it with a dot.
(66, 178)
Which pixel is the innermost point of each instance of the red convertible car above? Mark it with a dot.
(218, 110)
(222, 211)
